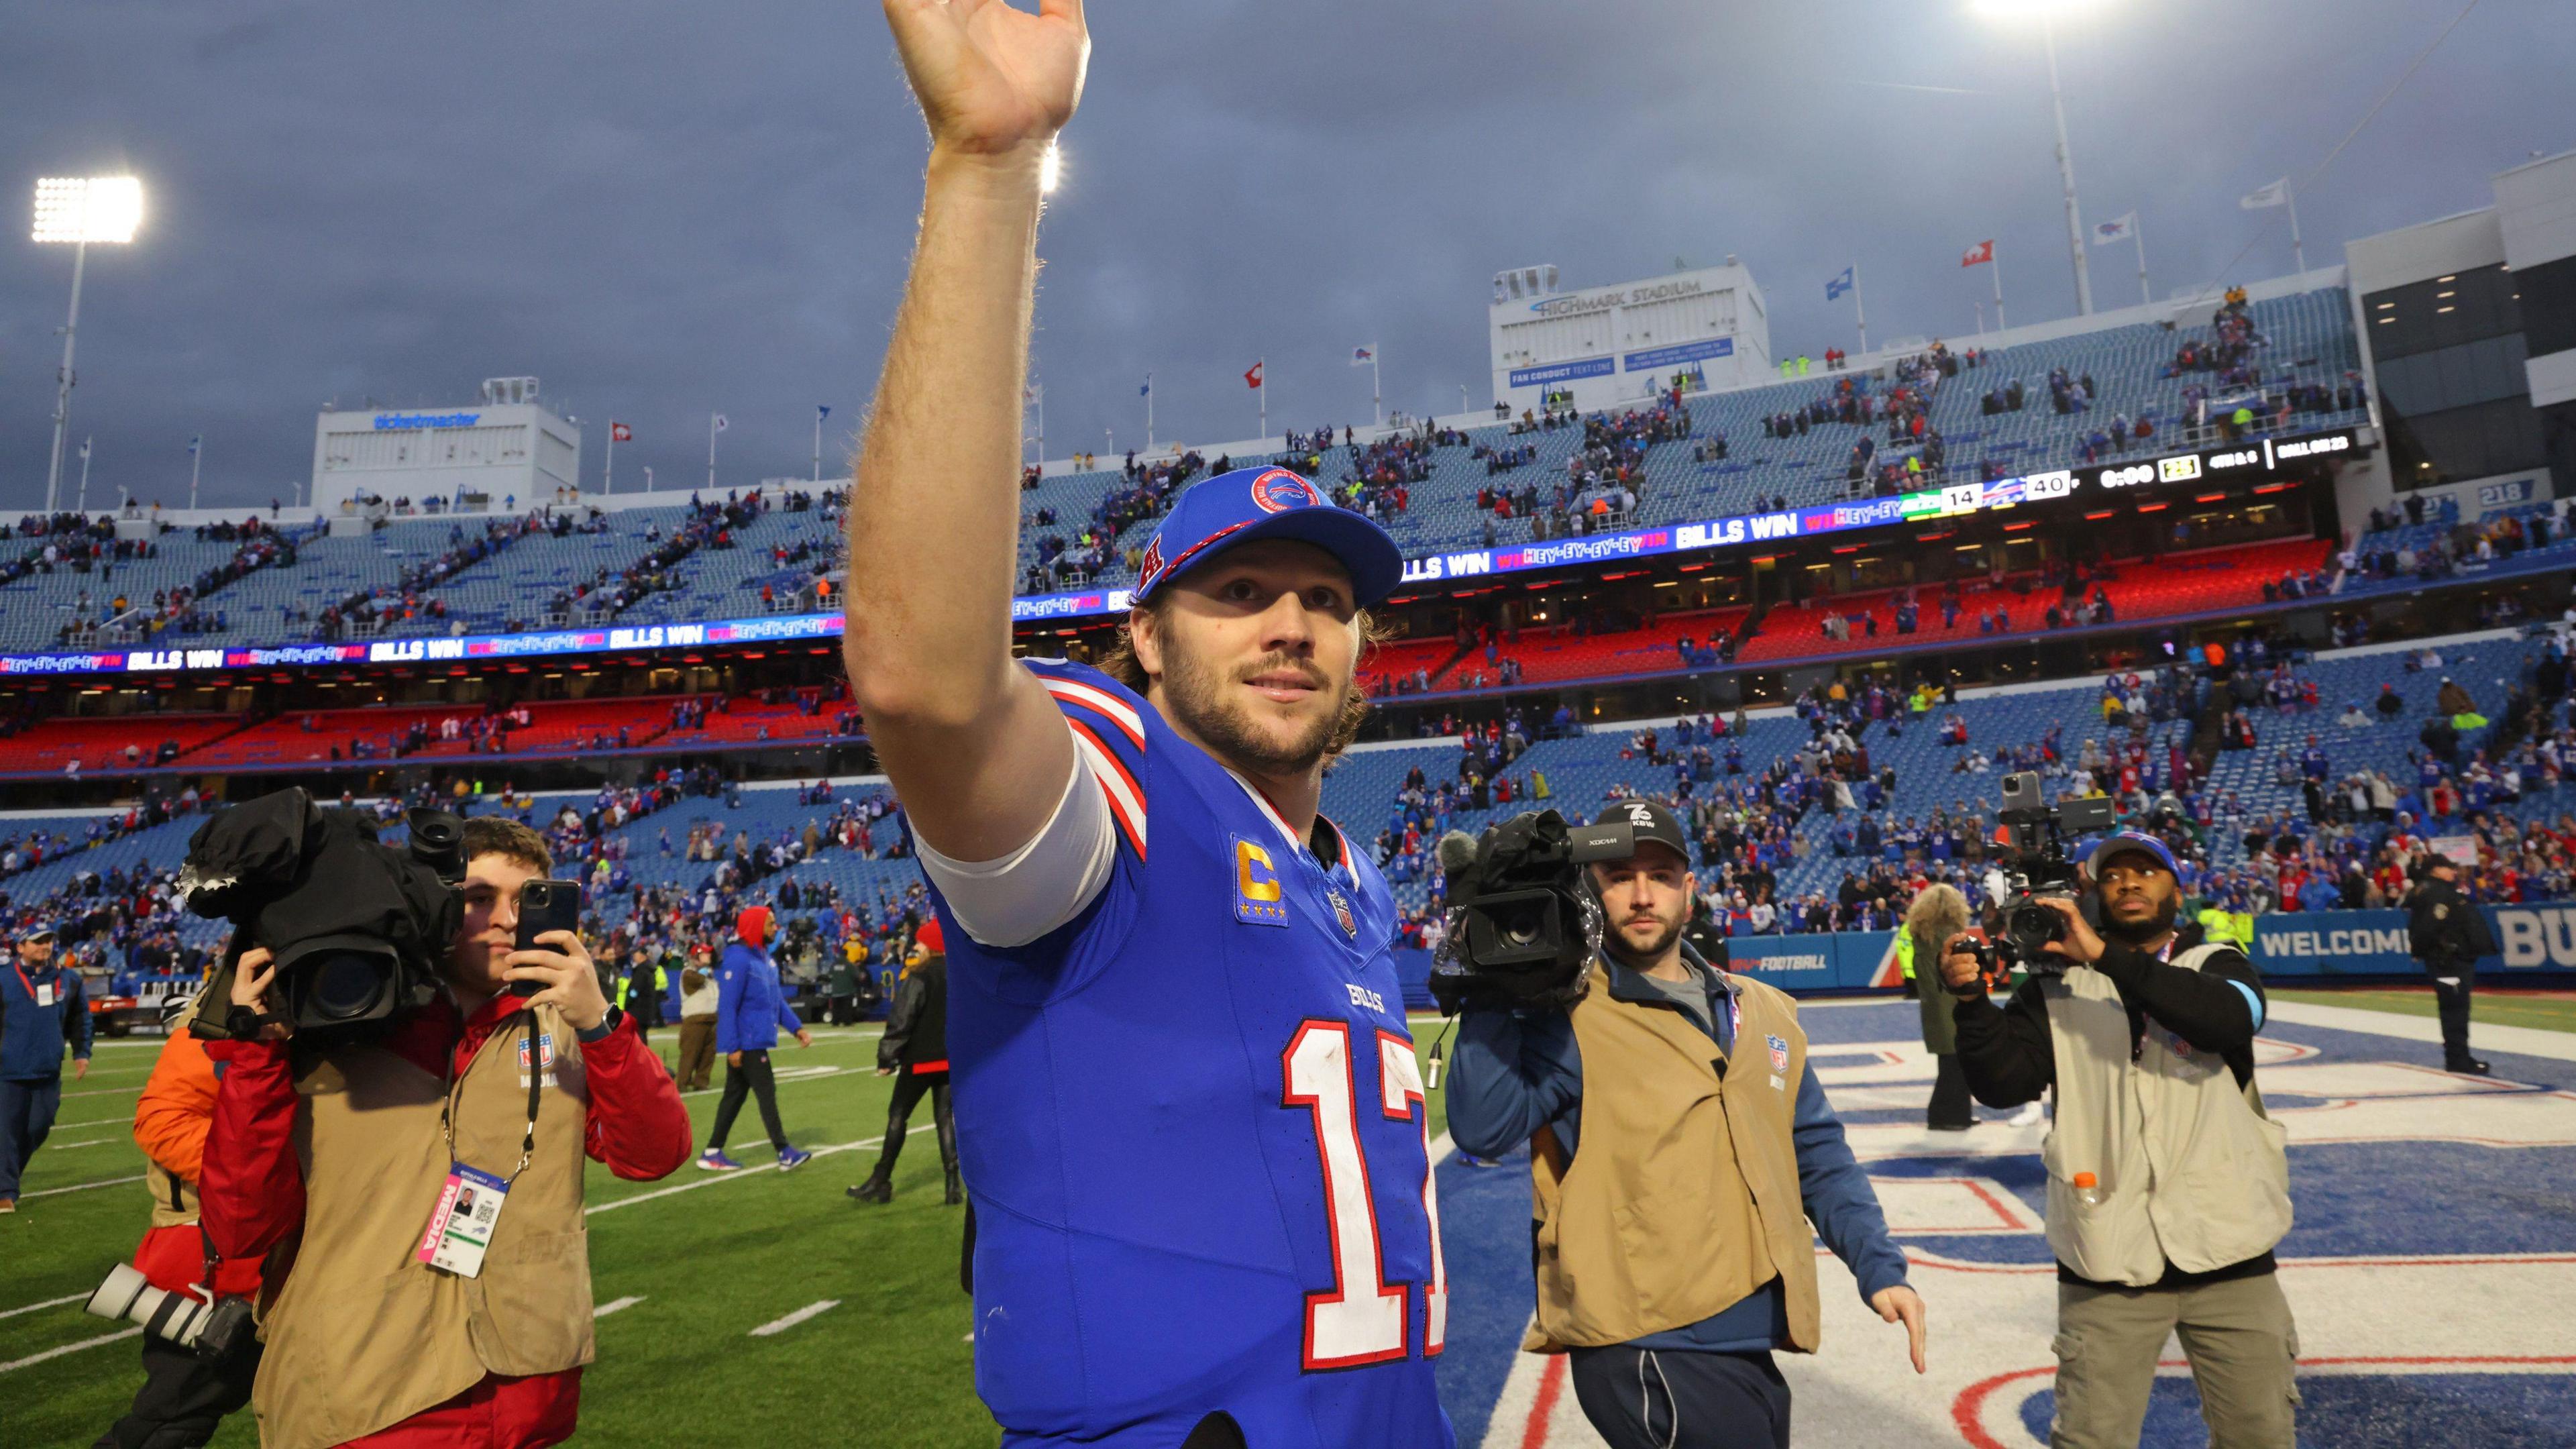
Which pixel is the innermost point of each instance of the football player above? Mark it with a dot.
(1189, 1114)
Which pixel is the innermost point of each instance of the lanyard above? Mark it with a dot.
(536, 1076)
(23, 981)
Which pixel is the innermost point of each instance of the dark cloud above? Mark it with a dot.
(666, 210)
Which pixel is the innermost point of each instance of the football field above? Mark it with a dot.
(2434, 1253)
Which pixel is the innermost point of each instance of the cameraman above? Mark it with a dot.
(2167, 1184)
(351, 1144)
(1668, 1256)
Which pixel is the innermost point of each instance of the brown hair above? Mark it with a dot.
(490, 835)
(1121, 664)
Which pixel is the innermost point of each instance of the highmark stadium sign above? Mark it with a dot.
(1958, 500)
(408, 422)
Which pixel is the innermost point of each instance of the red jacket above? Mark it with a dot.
(251, 1193)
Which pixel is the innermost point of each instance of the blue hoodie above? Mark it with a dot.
(750, 1008)
(32, 1036)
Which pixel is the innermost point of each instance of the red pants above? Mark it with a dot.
(498, 1413)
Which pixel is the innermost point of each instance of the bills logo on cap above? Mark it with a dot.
(1279, 490)
(1779, 1054)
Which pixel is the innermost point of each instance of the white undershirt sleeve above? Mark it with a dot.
(1043, 884)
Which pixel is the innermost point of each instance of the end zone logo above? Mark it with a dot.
(1279, 490)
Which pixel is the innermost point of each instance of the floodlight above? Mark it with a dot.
(88, 209)
(1050, 169)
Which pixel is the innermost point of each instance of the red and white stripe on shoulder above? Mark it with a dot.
(1126, 795)
(1099, 702)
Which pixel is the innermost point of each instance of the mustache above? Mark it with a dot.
(1305, 669)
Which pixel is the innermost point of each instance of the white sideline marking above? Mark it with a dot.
(82, 1186)
(713, 1178)
(795, 1318)
(615, 1305)
(35, 1358)
(48, 1303)
(2528, 1041)
(93, 1142)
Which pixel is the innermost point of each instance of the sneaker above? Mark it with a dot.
(791, 1158)
(2029, 1114)
(8, 1204)
(714, 1160)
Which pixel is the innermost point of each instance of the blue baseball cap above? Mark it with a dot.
(2122, 842)
(1236, 508)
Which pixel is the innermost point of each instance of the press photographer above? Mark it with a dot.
(413, 1107)
(2168, 1185)
(1670, 1261)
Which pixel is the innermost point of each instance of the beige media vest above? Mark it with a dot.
(363, 1335)
(2192, 1171)
(1682, 1196)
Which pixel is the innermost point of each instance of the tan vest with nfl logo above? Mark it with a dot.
(1682, 1194)
(364, 1335)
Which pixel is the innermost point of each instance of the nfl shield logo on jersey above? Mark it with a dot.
(1342, 913)
(1779, 1054)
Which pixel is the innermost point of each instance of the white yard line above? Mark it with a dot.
(82, 1186)
(615, 1305)
(2528, 1041)
(48, 1303)
(36, 1358)
(93, 1142)
(712, 1179)
(781, 1325)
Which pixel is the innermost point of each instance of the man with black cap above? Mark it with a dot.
(2448, 934)
(1186, 1095)
(43, 1009)
(2168, 1184)
(1672, 1186)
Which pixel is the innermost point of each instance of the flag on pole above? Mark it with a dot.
(722, 422)
(1252, 375)
(1839, 285)
(822, 411)
(1363, 356)
(195, 443)
(620, 433)
(2117, 229)
(1983, 251)
(84, 453)
(1033, 392)
(1148, 389)
(2272, 195)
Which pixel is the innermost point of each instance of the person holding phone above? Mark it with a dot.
(751, 1009)
(356, 1148)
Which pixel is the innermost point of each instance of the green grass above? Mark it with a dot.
(2501, 1008)
(709, 1263)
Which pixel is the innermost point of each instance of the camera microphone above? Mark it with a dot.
(1457, 853)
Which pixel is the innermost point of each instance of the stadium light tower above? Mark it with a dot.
(80, 210)
(2046, 12)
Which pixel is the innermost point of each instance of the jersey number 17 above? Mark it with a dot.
(1361, 1319)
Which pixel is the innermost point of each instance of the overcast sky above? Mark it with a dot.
(664, 210)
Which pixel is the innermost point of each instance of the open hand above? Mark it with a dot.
(1901, 1302)
(992, 80)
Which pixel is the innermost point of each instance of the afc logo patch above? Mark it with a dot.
(1278, 490)
(1779, 1054)
(1152, 563)
(1258, 898)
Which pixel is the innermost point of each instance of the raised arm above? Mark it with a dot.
(971, 741)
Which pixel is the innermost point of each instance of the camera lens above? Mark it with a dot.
(1521, 927)
(344, 986)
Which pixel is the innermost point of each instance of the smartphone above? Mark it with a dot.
(545, 905)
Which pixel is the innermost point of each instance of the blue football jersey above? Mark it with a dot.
(1193, 1129)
